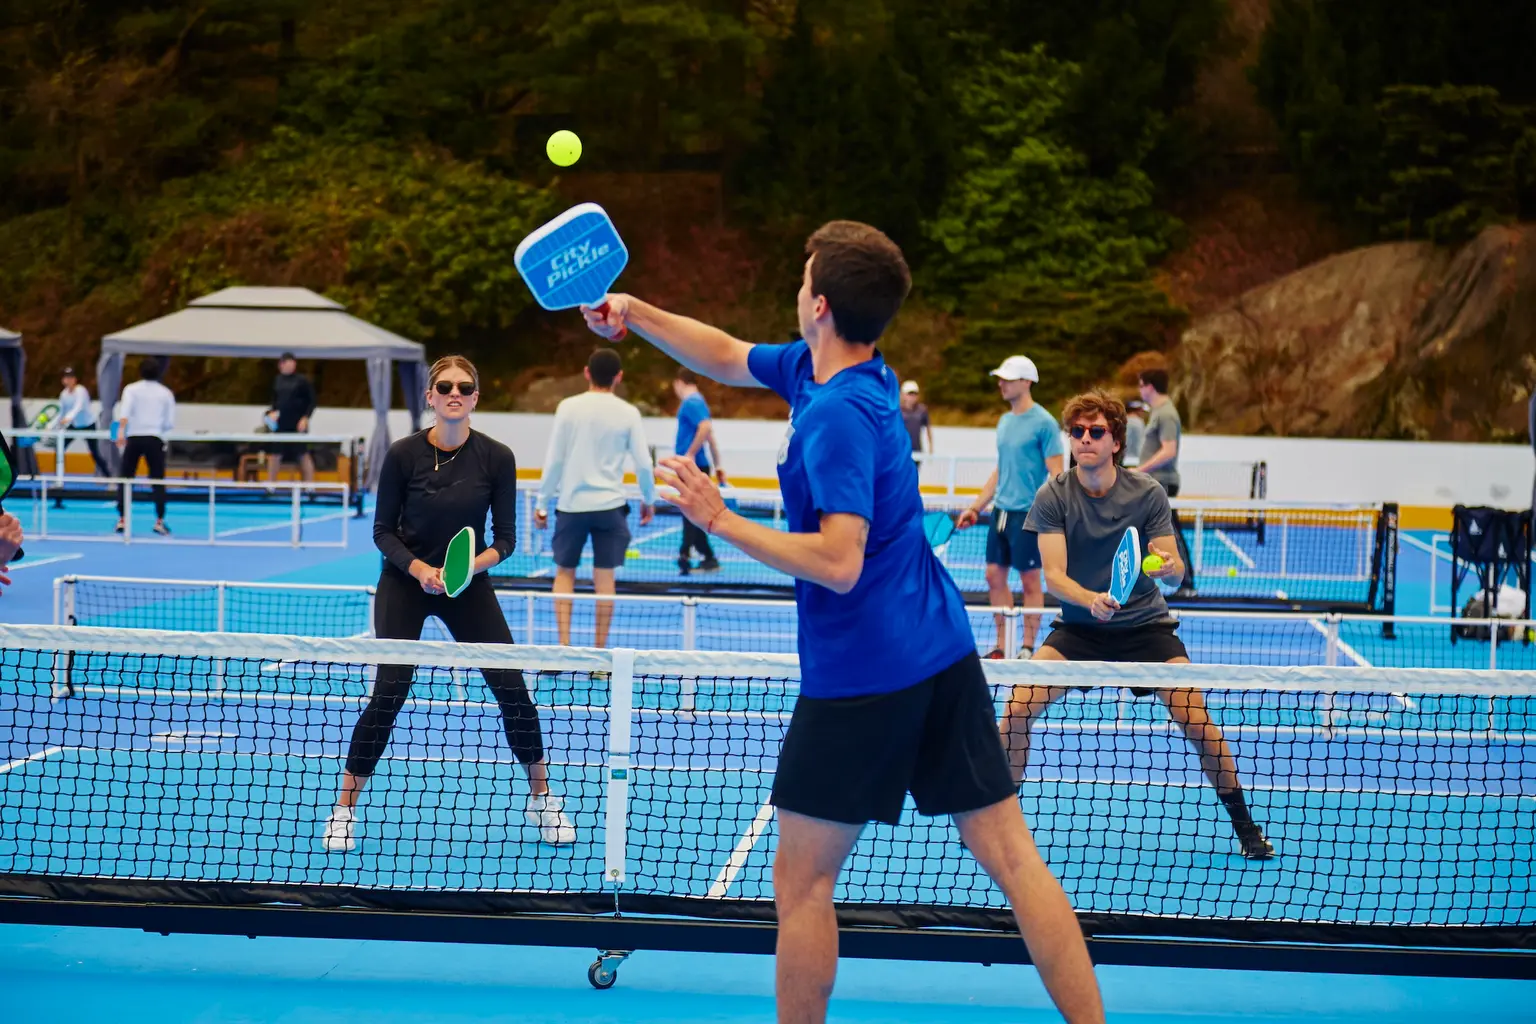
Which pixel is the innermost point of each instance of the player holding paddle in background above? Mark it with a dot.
(434, 484)
(1081, 517)
(893, 698)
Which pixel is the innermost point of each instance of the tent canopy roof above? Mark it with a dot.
(262, 323)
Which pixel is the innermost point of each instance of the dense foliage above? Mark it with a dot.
(390, 153)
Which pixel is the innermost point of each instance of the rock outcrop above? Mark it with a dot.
(1398, 340)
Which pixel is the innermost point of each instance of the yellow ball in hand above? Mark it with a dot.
(1151, 564)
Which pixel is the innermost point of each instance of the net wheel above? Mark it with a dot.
(601, 974)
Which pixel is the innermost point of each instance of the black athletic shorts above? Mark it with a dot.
(855, 759)
(1154, 642)
(608, 528)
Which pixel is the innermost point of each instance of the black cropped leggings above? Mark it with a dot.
(400, 610)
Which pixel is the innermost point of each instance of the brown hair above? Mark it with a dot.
(1156, 378)
(687, 376)
(1098, 403)
(449, 362)
(861, 273)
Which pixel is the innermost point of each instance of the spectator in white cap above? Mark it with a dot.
(1029, 451)
(915, 415)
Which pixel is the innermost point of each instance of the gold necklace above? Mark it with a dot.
(437, 453)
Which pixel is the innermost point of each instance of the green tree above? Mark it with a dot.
(1039, 253)
(1453, 159)
(1325, 65)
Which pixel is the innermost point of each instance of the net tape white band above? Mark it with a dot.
(151, 643)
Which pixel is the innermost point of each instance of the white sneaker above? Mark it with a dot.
(339, 831)
(547, 812)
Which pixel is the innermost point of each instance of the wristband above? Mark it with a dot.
(710, 529)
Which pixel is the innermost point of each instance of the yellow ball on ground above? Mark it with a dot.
(563, 147)
(1231, 570)
(1151, 564)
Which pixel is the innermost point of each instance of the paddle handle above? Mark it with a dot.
(623, 331)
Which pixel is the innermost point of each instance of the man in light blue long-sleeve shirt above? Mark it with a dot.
(594, 434)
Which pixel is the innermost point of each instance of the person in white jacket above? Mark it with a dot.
(584, 475)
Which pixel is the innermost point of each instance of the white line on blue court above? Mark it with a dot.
(31, 564)
(743, 850)
(1409, 538)
(286, 524)
(47, 752)
(1232, 546)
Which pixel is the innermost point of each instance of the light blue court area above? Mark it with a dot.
(81, 974)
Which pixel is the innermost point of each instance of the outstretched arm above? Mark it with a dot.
(698, 346)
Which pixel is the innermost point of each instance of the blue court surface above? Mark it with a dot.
(1368, 829)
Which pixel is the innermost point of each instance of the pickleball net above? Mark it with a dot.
(200, 769)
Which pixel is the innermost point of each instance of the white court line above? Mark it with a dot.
(47, 752)
(1348, 651)
(1442, 555)
(286, 524)
(1242, 556)
(743, 849)
(28, 563)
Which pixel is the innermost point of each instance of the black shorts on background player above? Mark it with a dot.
(854, 759)
(1009, 544)
(608, 528)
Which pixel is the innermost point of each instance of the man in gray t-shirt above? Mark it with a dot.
(1160, 440)
(1080, 517)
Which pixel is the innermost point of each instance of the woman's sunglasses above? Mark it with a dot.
(1095, 432)
(445, 387)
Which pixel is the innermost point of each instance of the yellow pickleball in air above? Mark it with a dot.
(563, 147)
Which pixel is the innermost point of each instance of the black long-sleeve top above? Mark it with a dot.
(419, 508)
(294, 399)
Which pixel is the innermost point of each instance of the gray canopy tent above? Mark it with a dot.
(262, 323)
(13, 369)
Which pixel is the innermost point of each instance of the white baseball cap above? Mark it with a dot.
(909, 388)
(1018, 368)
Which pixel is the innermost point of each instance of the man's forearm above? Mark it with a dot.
(1065, 588)
(805, 556)
(984, 499)
(695, 344)
(1164, 455)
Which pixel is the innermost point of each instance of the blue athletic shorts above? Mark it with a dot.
(609, 530)
(1009, 544)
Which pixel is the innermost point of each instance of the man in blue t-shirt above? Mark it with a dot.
(696, 441)
(893, 698)
(1028, 453)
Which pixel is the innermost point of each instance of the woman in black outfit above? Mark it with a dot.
(435, 483)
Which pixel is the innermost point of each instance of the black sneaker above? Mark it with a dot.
(1253, 843)
(709, 565)
(684, 567)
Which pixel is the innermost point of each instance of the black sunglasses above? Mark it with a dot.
(1095, 432)
(445, 387)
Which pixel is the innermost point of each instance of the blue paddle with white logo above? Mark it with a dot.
(573, 260)
(1126, 569)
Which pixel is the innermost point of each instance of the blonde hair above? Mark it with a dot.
(449, 362)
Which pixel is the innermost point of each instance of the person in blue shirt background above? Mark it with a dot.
(696, 441)
(1029, 452)
(893, 698)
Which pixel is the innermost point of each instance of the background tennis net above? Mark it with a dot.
(767, 625)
